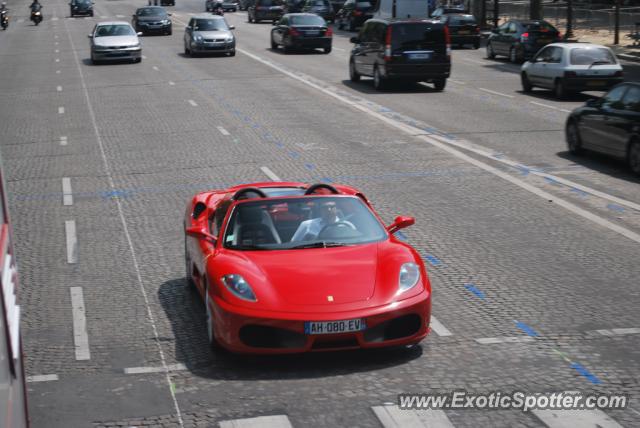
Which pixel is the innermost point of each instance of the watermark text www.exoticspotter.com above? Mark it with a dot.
(513, 400)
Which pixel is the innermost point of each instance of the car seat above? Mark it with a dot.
(254, 226)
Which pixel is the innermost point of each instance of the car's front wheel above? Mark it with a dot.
(559, 89)
(353, 73)
(574, 143)
(378, 80)
(634, 156)
(274, 45)
(526, 84)
(211, 329)
(490, 52)
(513, 55)
(327, 50)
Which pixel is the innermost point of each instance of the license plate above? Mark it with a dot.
(544, 41)
(464, 32)
(312, 33)
(334, 327)
(420, 56)
(595, 83)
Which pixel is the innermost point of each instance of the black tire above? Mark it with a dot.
(490, 52)
(274, 45)
(186, 50)
(526, 84)
(633, 156)
(187, 267)
(256, 21)
(169, 32)
(378, 80)
(476, 45)
(213, 343)
(572, 135)
(353, 73)
(249, 18)
(513, 55)
(352, 25)
(559, 90)
(91, 14)
(232, 53)
(439, 84)
(327, 50)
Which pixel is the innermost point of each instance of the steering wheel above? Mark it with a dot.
(312, 189)
(243, 192)
(337, 224)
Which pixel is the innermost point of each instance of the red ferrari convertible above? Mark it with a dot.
(290, 267)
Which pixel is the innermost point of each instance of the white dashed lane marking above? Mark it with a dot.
(618, 331)
(159, 369)
(512, 339)
(60, 110)
(80, 336)
(496, 93)
(575, 418)
(57, 71)
(270, 173)
(72, 241)
(457, 81)
(155, 68)
(439, 328)
(193, 103)
(222, 130)
(57, 59)
(59, 88)
(67, 195)
(551, 107)
(42, 378)
(394, 417)
(63, 140)
(275, 421)
(171, 83)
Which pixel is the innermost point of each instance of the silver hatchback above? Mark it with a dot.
(209, 33)
(115, 41)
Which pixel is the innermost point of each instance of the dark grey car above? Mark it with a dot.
(152, 19)
(209, 34)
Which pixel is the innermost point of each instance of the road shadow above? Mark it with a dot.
(185, 310)
(365, 86)
(613, 167)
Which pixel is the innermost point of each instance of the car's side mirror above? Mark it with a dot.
(187, 29)
(169, 14)
(200, 233)
(89, 35)
(400, 223)
(593, 102)
(232, 27)
(354, 40)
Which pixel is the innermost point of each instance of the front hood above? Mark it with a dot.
(212, 34)
(318, 276)
(116, 41)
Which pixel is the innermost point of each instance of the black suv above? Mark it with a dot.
(463, 29)
(417, 50)
(271, 10)
(81, 7)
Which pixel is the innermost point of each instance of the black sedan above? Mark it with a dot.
(301, 31)
(353, 14)
(81, 7)
(152, 19)
(609, 125)
(519, 40)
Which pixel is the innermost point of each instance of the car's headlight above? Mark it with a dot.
(166, 21)
(409, 276)
(229, 38)
(239, 287)
(197, 37)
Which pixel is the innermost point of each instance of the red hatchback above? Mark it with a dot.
(290, 267)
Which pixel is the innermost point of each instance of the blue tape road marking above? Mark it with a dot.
(309, 166)
(326, 180)
(586, 373)
(475, 290)
(580, 192)
(551, 181)
(433, 260)
(116, 194)
(616, 208)
(527, 329)
(294, 155)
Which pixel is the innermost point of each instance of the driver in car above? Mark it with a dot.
(310, 229)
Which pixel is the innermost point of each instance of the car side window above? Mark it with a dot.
(284, 21)
(378, 33)
(555, 56)
(513, 29)
(543, 55)
(631, 100)
(365, 32)
(613, 99)
(503, 28)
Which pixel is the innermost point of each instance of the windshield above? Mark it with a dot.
(151, 11)
(299, 223)
(363, 5)
(270, 3)
(115, 30)
(542, 26)
(462, 20)
(307, 20)
(417, 36)
(589, 56)
(81, 2)
(321, 3)
(210, 25)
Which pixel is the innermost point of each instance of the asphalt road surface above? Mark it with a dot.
(532, 253)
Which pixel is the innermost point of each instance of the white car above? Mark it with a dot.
(113, 41)
(572, 67)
